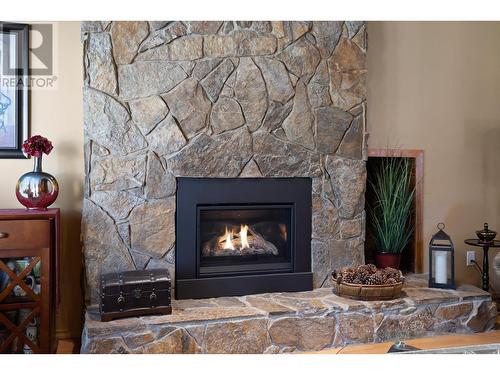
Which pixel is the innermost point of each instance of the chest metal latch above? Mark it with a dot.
(137, 293)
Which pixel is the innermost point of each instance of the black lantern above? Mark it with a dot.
(441, 260)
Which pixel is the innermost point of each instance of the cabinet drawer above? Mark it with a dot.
(24, 234)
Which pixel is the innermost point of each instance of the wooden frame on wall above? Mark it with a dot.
(418, 156)
(14, 90)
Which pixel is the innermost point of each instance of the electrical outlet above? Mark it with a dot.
(471, 258)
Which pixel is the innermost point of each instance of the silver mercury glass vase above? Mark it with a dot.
(37, 190)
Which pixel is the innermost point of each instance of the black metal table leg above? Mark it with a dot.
(486, 269)
(493, 244)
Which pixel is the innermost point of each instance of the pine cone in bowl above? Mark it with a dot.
(368, 274)
(368, 283)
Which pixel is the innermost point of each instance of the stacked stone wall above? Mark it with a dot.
(219, 99)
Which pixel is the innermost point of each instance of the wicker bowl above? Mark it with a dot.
(367, 292)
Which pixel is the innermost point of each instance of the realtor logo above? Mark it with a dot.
(21, 44)
(41, 49)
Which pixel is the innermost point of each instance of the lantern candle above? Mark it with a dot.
(441, 267)
(441, 260)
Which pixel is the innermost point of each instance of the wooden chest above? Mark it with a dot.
(135, 293)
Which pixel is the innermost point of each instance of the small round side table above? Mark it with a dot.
(486, 246)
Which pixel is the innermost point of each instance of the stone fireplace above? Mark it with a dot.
(264, 123)
(167, 100)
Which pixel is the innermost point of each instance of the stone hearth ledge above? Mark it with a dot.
(288, 322)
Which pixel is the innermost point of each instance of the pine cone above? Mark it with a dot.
(366, 269)
(373, 268)
(391, 270)
(344, 270)
(364, 277)
(390, 281)
(349, 278)
(392, 273)
(357, 280)
(371, 281)
(376, 279)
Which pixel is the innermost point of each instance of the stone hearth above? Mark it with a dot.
(288, 322)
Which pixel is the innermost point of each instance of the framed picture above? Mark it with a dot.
(14, 90)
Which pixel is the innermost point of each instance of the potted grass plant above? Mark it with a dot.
(391, 209)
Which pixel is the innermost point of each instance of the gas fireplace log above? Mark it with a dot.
(257, 246)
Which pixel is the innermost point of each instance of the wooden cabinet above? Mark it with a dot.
(29, 274)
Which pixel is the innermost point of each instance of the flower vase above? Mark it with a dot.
(37, 190)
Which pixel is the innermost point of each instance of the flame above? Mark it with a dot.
(228, 243)
(283, 231)
(244, 237)
(228, 240)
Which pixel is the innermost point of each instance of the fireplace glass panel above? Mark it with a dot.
(240, 238)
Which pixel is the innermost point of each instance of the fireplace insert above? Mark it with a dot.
(237, 236)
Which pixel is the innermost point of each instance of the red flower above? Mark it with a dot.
(37, 145)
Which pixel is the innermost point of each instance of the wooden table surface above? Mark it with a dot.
(434, 342)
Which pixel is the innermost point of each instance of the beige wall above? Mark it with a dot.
(436, 87)
(58, 115)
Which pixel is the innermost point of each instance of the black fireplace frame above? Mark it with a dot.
(245, 192)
